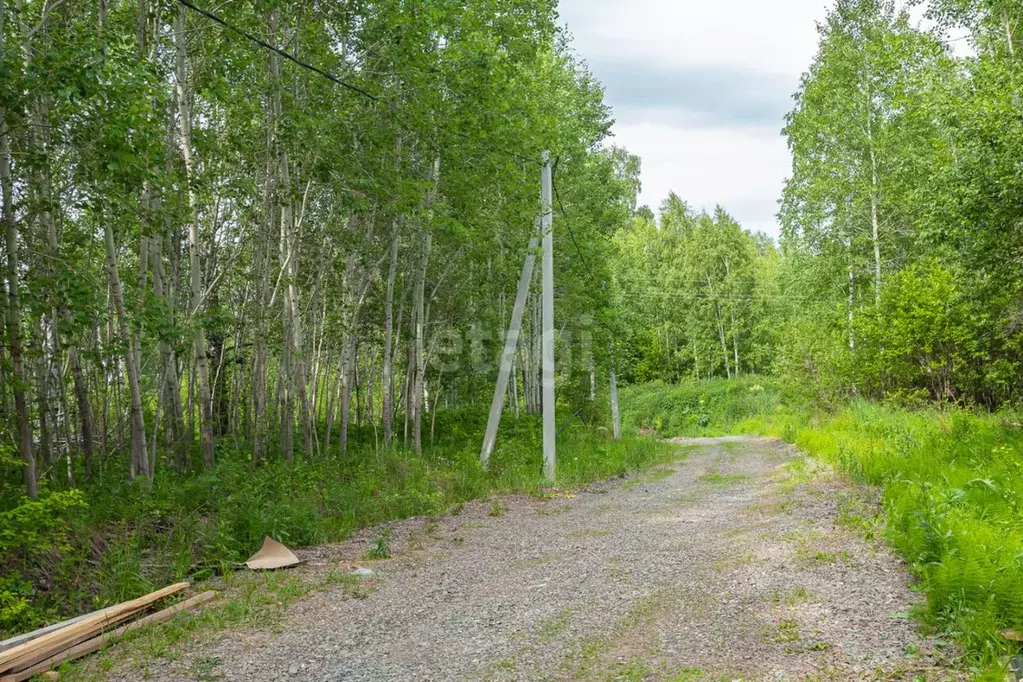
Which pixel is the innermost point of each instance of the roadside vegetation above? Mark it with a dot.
(116, 539)
(951, 481)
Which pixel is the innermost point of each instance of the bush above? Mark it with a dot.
(32, 533)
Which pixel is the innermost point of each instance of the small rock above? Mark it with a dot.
(363, 571)
(293, 670)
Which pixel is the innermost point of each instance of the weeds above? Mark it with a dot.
(380, 548)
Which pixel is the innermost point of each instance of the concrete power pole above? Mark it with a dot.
(511, 341)
(508, 356)
(550, 466)
(616, 419)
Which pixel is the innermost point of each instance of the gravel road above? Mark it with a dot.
(741, 561)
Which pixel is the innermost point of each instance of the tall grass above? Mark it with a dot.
(115, 539)
(952, 482)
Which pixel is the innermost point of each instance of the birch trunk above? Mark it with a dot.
(874, 222)
(42, 396)
(721, 325)
(419, 385)
(202, 367)
(387, 413)
(139, 452)
(18, 379)
(616, 419)
(420, 334)
(171, 382)
(851, 298)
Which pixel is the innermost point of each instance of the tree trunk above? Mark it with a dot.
(616, 420)
(18, 378)
(170, 387)
(420, 334)
(419, 384)
(721, 325)
(258, 385)
(202, 367)
(874, 222)
(388, 359)
(84, 408)
(139, 452)
(43, 397)
(347, 352)
(851, 299)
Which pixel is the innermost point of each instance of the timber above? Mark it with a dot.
(97, 643)
(39, 649)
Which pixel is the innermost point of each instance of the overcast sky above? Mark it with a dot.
(700, 90)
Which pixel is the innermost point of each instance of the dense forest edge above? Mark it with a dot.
(245, 299)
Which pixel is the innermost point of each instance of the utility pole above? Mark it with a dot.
(550, 466)
(616, 419)
(508, 356)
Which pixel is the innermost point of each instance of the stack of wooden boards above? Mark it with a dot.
(36, 652)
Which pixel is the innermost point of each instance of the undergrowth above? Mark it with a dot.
(114, 539)
(709, 407)
(951, 482)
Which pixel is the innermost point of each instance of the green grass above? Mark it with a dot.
(698, 408)
(951, 484)
(115, 539)
(952, 492)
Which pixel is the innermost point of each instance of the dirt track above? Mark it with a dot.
(737, 562)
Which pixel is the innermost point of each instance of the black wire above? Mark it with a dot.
(334, 79)
(568, 224)
(284, 53)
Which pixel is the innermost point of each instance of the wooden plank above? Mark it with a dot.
(38, 649)
(36, 634)
(97, 643)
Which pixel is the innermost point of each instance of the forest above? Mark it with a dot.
(259, 261)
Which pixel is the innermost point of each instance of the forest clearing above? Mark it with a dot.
(266, 265)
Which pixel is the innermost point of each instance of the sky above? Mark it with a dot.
(700, 90)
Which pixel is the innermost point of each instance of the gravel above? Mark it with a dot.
(729, 564)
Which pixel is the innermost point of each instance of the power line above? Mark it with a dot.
(284, 53)
(568, 224)
(338, 81)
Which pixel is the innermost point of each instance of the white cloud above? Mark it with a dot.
(738, 169)
(739, 166)
(776, 37)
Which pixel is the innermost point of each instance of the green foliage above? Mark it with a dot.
(699, 408)
(32, 534)
(953, 485)
(901, 220)
(380, 548)
(695, 295)
(921, 336)
(70, 552)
